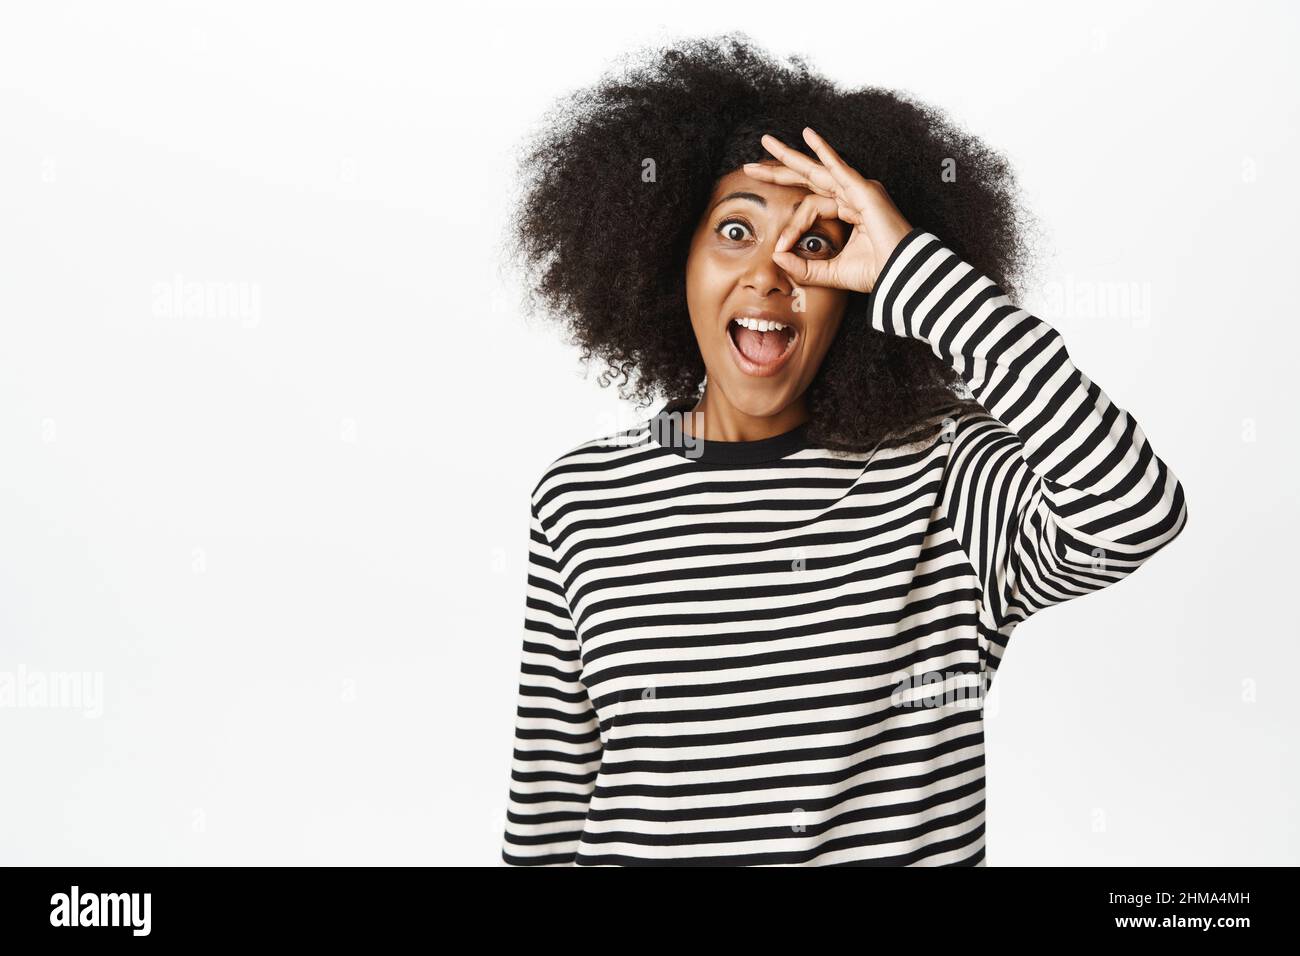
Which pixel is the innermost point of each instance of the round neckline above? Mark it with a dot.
(666, 432)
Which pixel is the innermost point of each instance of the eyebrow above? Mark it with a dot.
(752, 197)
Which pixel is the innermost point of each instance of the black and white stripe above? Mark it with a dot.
(726, 658)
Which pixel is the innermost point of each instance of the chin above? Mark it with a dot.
(758, 400)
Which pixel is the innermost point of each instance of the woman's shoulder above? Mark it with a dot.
(586, 462)
(938, 424)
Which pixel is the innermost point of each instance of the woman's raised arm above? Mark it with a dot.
(1055, 492)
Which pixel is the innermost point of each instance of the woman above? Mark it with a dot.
(760, 623)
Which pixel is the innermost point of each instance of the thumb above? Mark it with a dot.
(805, 271)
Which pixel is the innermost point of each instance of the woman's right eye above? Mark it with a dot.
(729, 229)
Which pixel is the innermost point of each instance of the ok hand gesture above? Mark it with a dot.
(838, 192)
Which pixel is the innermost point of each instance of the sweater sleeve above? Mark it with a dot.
(557, 745)
(1052, 490)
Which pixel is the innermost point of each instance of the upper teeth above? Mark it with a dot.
(760, 325)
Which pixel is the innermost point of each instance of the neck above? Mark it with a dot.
(722, 421)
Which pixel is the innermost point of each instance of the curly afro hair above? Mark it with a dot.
(603, 244)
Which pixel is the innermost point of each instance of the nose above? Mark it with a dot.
(764, 276)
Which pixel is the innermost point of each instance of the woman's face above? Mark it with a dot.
(730, 274)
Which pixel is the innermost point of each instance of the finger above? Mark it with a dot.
(782, 175)
(807, 271)
(811, 208)
(845, 176)
(815, 175)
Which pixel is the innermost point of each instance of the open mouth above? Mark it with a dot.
(761, 347)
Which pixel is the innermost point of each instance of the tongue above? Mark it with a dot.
(761, 347)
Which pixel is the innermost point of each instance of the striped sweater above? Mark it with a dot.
(768, 653)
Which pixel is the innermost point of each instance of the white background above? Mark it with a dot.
(288, 539)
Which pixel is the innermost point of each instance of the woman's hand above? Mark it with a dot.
(838, 192)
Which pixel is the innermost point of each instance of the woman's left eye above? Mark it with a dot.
(821, 245)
